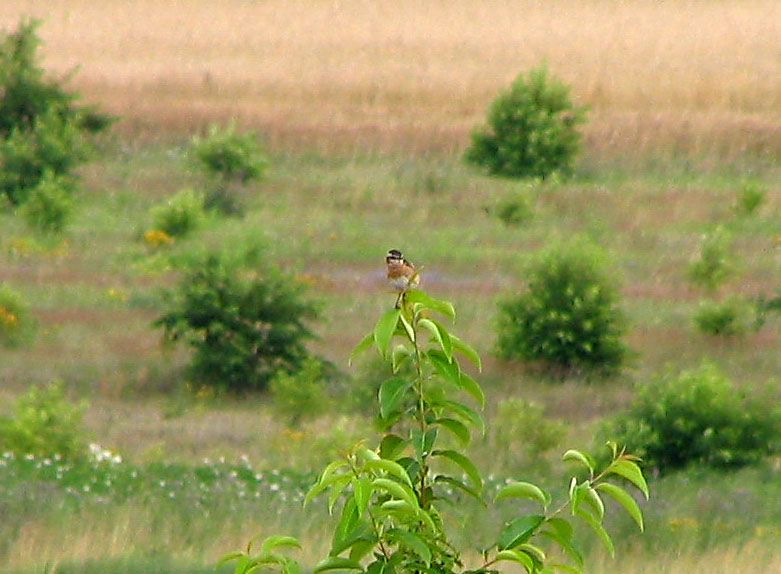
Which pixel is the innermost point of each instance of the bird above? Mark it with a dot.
(402, 274)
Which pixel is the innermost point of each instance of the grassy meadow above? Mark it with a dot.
(365, 109)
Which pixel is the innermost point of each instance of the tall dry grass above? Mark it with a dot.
(694, 76)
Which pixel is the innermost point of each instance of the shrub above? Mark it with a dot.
(49, 204)
(698, 417)
(568, 316)
(41, 127)
(531, 131)
(732, 316)
(16, 324)
(750, 198)
(231, 159)
(179, 215)
(301, 394)
(244, 325)
(514, 210)
(45, 423)
(714, 263)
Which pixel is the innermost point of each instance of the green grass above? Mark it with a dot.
(330, 219)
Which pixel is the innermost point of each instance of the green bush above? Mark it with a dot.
(41, 128)
(714, 263)
(16, 325)
(229, 155)
(732, 316)
(750, 198)
(514, 210)
(49, 204)
(531, 129)
(568, 316)
(245, 325)
(179, 215)
(698, 417)
(231, 159)
(44, 423)
(301, 394)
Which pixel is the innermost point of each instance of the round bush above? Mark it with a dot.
(244, 325)
(698, 417)
(531, 129)
(567, 317)
(179, 215)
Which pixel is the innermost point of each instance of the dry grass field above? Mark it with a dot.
(686, 92)
(698, 77)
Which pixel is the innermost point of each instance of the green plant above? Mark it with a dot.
(568, 316)
(531, 129)
(231, 159)
(521, 435)
(750, 198)
(181, 214)
(16, 325)
(41, 128)
(49, 204)
(301, 394)
(697, 417)
(732, 316)
(714, 263)
(44, 423)
(392, 500)
(514, 210)
(245, 325)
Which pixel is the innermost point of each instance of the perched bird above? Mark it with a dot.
(401, 273)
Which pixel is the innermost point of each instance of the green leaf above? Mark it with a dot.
(336, 563)
(423, 301)
(440, 334)
(385, 329)
(524, 490)
(466, 350)
(361, 347)
(597, 527)
(391, 446)
(580, 457)
(423, 442)
(362, 491)
(276, 541)
(230, 556)
(624, 499)
(565, 544)
(566, 568)
(630, 471)
(461, 486)
(593, 499)
(396, 489)
(459, 429)
(338, 485)
(465, 463)
(472, 387)
(535, 552)
(513, 555)
(398, 356)
(392, 393)
(518, 531)
(390, 467)
(411, 541)
(447, 369)
(407, 328)
(327, 478)
(464, 413)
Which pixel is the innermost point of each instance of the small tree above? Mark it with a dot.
(17, 326)
(531, 129)
(391, 498)
(244, 325)
(45, 423)
(231, 160)
(698, 417)
(41, 127)
(568, 316)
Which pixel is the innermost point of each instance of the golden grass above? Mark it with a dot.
(702, 76)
